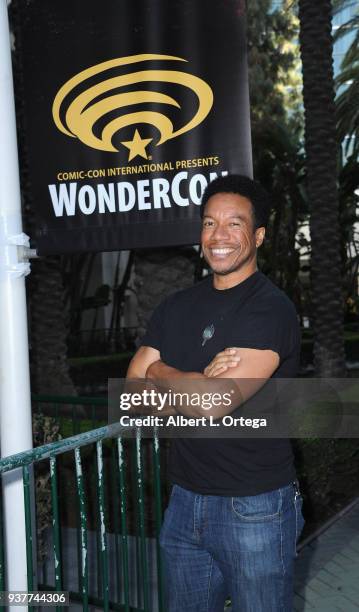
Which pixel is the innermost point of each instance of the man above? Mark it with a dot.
(235, 510)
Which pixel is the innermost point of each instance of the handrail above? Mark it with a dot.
(128, 519)
(133, 509)
(55, 448)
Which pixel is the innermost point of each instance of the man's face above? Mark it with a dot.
(229, 241)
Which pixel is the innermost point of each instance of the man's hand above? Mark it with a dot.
(248, 369)
(229, 358)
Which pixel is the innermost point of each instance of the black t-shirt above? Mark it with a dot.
(253, 314)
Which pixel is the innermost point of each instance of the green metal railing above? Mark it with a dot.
(123, 505)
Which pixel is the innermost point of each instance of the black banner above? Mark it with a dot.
(131, 108)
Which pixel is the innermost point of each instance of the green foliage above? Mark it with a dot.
(348, 87)
(273, 61)
(278, 155)
(347, 110)
(348, 203)
(277, 122)
(45, 430)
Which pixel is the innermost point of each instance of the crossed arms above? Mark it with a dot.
(239, 371)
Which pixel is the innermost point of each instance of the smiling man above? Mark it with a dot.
(235, 509)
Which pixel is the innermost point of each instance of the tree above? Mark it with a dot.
(279, 165)
(316, 45)
(273, 65)
(348, 88)
(48, 329)
(276, 122)
(347, 83)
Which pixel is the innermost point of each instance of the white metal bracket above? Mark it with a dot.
(17, 263)
(19, 240)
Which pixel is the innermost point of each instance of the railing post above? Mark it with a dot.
(15, 406)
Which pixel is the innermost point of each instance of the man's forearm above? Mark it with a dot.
(161, 371)
(224, 392)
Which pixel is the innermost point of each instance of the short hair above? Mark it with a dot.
(245, 187)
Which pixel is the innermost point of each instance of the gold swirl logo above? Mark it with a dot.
(93, 104)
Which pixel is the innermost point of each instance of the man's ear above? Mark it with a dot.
(260, 234)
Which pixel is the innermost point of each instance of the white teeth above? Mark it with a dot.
(221, 251)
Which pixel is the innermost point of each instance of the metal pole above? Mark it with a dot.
(15, 405)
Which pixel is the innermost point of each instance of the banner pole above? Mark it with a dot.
(15, 399)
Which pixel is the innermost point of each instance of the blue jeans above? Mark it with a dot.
(217, 547)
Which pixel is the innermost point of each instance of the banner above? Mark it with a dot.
(130, 108)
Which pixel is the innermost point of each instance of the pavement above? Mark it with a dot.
(327, 568)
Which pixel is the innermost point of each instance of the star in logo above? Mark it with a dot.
(137, 146)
